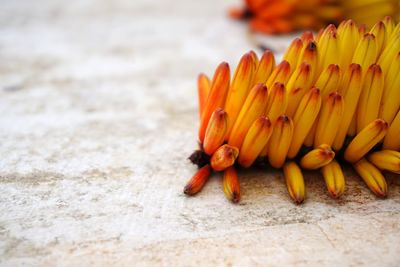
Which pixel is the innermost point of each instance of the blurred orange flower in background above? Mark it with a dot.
(283, 16)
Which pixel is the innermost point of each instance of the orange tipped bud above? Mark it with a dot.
(365, 140)
(264, 68)
(379, 32)
(334, 178)
(366, 51)
(307, 37)
(388, 160)
(328, 80)
(298, 84)
(203, 89)
(231, 185)
(279, 142)
(294, 182)
(329, 119)
(362, 29)
(370, 98)
(317, 158)
(280, 74)
(352, 74)
(216, 97)
(253, 108)
(304, 119)
(328, 49)
(216, 131)
(372, 177)
(292, 52)
(254, 59)
(350, 90)
(277, 101)
(224, 157)
(197, 182)
(330, 29)
(255, 140)
(319, 34)
(309, 55)
(348, 41)
(389, 25)
(240, 88)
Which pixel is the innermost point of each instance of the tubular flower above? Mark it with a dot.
(327, 102)
(282, 16)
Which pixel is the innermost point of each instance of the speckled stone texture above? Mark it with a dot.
(98, 115)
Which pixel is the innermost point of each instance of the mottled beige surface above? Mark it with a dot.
(98, 114)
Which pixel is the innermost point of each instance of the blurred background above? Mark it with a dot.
(98, 107)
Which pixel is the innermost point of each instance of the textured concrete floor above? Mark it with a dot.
(98, 114)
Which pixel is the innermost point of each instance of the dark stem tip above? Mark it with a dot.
(199, 158)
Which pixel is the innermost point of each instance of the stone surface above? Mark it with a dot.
(98, 115)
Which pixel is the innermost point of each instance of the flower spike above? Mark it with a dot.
(333, 99)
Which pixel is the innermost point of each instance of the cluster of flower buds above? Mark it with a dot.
(281, 16)
(333, 98)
